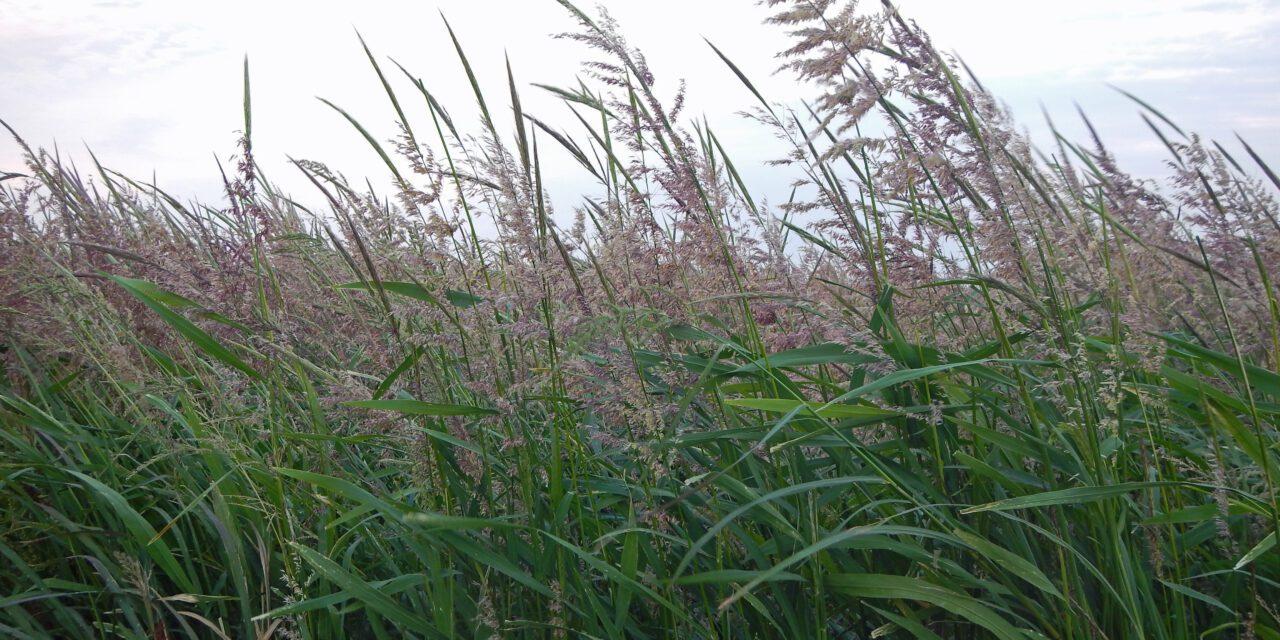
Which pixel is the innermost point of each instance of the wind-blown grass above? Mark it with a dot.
(954, 387)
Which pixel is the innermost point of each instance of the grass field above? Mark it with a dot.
(952, 387)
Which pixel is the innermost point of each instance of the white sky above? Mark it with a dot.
(154, 85)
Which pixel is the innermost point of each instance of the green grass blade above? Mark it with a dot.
(191, 332)
(419, 408)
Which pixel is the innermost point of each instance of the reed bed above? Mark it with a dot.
(953, 386)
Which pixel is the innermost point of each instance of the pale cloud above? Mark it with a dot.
(1087, 38)
(76, 41)
(154, 85)
(1267, 121)
(1138, 73)
(1213, 67)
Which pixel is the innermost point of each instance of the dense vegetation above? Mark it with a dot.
(952, 387)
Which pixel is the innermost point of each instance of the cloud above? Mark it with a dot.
(1136, 73)
(1088, 38)
(155, 84)
(1211, 66)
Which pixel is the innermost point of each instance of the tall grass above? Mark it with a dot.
(953, 387)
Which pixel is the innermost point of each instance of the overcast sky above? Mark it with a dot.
(154, 85)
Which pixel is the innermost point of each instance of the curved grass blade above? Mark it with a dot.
(142, 532)
(1074, 495)
(890, 587)
(376, 600)
(191, 332)
(419, 408)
